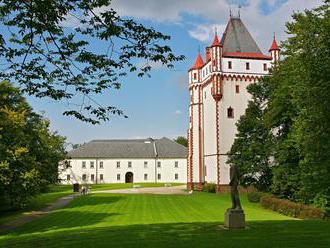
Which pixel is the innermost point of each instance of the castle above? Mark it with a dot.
(218, 97)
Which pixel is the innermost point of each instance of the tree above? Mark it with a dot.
(29, 152)
(296, 116)
(251, 148)
(49, 59)
(182, 141)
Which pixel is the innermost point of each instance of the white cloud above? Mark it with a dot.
(204, 32)
(178, 112)
(261, 26)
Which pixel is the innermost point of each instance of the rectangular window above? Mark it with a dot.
(83, 164)
(101, 164)
(204, 94)
(159, 176)
(229, 65)
(84, 177)
(195, 76)
(176, 164)
(118, 164)
(230, 113)
(68, 177)
(247, 66)
(145, 164)
(129, 164)
(237, 88)
(145, 177)
(159, 164)
(92, 177)
(118, 177)
(101, 176)
(265, 67)
(176, 176)
(91, 163)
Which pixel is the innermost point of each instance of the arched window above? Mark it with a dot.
(230, 112)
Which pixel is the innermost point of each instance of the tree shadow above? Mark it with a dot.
(288, 233)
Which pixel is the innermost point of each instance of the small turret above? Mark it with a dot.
(216, 53)
(275, 51)
(195, 69)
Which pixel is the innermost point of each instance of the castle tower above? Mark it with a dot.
(218, 97)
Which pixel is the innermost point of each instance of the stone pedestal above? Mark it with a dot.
(234, 219)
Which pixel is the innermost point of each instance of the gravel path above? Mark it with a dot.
(175, 190)
(37, 214)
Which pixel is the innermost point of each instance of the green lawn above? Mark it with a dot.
(106, 220)
(57, 191)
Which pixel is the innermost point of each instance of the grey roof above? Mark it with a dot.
(237, 38)
(130, 148)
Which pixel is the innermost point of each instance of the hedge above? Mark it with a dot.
(254, 196)
(290, 208)
(209, 187)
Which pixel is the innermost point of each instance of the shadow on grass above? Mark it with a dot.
(292, 233)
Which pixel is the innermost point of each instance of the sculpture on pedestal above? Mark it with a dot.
(234, 216)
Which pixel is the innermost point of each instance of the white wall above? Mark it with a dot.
(138, 169)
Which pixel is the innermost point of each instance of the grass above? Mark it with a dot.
(57, 191)
(104, 220)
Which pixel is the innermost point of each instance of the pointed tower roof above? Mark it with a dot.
(274, 45)
(238, 42)
(199, 62)
(237, 38)
(216, 40)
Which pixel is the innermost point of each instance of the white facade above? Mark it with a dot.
(115, 171)
(218, 98)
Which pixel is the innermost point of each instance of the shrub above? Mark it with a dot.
(254, 196)
(209, 187)
(290, 208)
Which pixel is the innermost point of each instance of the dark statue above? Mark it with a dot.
(234, 216)
(234, 182)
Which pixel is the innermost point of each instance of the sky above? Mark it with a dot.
(158, 106)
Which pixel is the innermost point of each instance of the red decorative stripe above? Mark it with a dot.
(246, 55)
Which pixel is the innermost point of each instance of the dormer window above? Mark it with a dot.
(247, 66)
(229, 65)
(230, 112)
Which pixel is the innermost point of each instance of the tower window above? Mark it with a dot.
(229, 65)
(247, 66)
(230, 112)
(195, 76)
(265, 67)
(237, 88)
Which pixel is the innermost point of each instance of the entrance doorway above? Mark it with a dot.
(129, 177)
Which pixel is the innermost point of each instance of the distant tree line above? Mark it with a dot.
(283, 140)
(29, 151)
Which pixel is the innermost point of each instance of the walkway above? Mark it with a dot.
(62, 202)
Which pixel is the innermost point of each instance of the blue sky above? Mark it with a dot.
(158, 106)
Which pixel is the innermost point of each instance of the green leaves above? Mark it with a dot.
(29, 151)
(48, 58)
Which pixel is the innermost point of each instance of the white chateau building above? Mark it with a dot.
(218, 97)
(126, 161)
